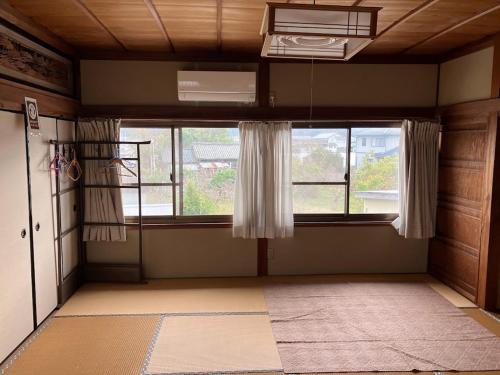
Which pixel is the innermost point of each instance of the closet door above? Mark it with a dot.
(16, 303)
(42, 212)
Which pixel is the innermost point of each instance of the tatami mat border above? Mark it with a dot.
(17, 353)
(211, 313)
(152, 344)
(267, 372)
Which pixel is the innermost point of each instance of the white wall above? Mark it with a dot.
(466, 78)
(140, 82)
(213, 252)
(347, 249)
(183, 253)
(362, 85)
(355, 85)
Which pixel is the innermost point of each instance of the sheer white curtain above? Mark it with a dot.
(418, 179)
(263, 197)
(101, 205)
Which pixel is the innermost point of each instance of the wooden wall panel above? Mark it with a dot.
(459, 226)
(464, 145)
(456, 267)
(459, 253)
(463, 182)
(12, 98)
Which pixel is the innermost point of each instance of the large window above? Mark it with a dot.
(202, 182)
(344, 171)
(337, 171)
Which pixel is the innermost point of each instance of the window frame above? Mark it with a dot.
(304, 219)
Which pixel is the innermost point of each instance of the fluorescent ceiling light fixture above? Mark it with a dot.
(328, 32)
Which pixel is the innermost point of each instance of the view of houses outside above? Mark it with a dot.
(206, 162)
(319, 155)
(374, 170)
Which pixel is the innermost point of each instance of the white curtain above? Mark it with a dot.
(263, 197)
(418, 179)
(102, 205)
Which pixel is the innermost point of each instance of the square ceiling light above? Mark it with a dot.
(328, 32)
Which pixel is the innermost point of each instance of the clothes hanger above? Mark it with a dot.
(73, 170)
(117, 163)
(58, 162)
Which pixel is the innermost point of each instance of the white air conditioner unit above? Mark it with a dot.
(216, 86)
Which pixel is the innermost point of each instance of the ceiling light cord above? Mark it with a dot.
(311, 83)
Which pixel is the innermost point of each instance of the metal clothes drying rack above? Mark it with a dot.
(112, 271)
(98, 271)
(66, 285)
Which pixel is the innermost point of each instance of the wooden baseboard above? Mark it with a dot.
(119, 273)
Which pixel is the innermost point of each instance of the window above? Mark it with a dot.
(342, 171)
(319, 170)
(202, 182)
(323, 182)
(379, 142)
(374, 173)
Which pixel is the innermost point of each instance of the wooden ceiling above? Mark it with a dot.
(405, 27)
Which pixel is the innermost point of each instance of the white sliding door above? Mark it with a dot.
(43, 221)
(16, 305)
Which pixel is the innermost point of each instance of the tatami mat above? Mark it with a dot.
(88, 346)
(484, 319)
(214, 344)
(180, 296)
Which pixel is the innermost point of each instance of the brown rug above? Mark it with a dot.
(236, 344)
(375, 326)
(88, 346)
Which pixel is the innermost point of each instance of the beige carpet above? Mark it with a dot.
(88, 346)
(180, 296)
(214, 344)
(451, 295)
(375, 326)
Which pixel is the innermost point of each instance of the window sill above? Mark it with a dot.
(306, 221)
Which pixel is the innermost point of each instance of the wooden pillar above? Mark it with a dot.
(262, 269)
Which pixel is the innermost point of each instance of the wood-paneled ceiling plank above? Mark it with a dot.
(15, 17)
(191, 24)
(131, 22)
(433, 17)
(471, 32)
(453, 27)
(392, 11)
(68, 21)
(154, 12)
(84, 8)
(416, 27)
(219, 25)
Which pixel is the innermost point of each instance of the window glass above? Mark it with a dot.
(318, 167)
(207, 168)
(156, 166)
(374, 170)
(319, 155)
(318, 199)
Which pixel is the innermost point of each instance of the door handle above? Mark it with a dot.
(37, 227)
(23, 233)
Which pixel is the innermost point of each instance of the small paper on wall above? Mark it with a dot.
(31, 113)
